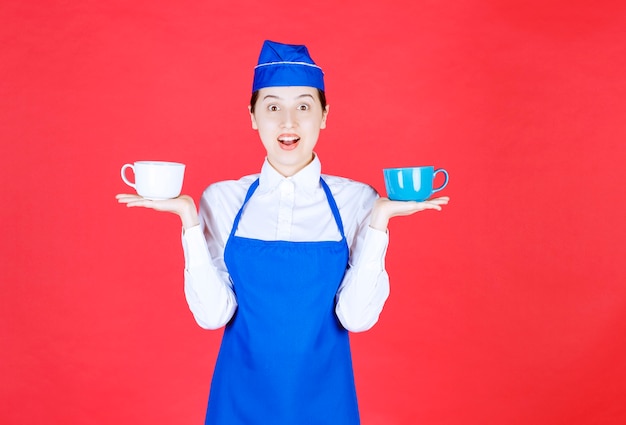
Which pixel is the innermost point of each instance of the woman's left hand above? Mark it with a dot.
(384, 209)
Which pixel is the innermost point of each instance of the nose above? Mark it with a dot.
(288, 119)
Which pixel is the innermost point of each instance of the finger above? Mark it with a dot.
(431, 206)
(437, 202)
(142, 202)
(126, 195)
(135, 201)
(417, 207)
(440, 200)
(126, 198)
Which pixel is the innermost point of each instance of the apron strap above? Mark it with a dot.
(251, 190)
(333, 207)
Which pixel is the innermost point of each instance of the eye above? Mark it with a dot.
(303, 107)
(273, 108)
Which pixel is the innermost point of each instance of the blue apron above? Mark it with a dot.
(285, 358)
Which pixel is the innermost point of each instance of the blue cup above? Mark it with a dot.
(412, 183)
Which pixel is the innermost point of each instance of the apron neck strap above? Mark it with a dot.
(333, 207)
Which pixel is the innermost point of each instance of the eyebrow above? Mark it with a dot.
(271, 96)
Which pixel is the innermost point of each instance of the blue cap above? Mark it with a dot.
(286, 65)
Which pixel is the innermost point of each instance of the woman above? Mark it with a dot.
(290, 260)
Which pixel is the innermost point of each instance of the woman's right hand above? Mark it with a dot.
(183, 206)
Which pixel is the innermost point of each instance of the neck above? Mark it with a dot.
(289, 170)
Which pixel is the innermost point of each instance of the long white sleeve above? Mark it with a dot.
(207, 288)
(365, 286)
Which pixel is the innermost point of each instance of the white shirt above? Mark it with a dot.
(292, 209)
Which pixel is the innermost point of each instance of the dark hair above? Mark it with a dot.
(255, 96)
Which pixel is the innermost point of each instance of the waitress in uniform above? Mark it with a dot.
(289, 260)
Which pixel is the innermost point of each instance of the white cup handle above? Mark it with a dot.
(123, 173)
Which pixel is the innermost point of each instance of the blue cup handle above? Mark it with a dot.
(445, 182)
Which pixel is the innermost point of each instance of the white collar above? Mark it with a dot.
(307, 179)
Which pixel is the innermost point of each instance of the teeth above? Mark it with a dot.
(288, 139)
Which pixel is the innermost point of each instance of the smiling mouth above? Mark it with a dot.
(288, 141)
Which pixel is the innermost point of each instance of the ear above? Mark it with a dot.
(252, 119)
(324, 116)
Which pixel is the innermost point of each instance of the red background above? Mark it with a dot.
(507, 308)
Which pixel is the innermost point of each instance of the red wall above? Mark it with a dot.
(507, 308)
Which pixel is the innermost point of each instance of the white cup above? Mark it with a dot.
(156, 179)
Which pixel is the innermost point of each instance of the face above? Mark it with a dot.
(289, 120)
